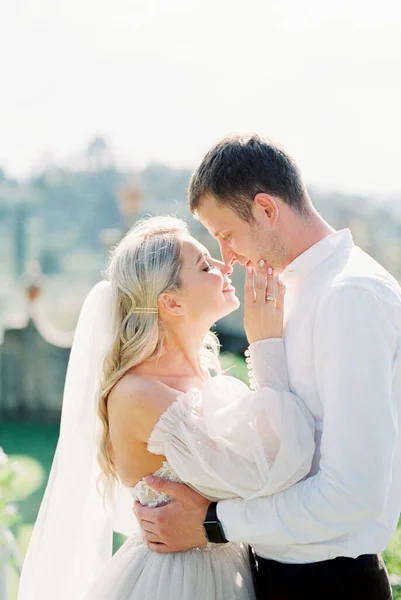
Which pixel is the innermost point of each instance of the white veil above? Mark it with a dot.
(72, 537)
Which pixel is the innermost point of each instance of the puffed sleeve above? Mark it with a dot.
(227, 441)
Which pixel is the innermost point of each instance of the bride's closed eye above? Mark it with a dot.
(208, 267)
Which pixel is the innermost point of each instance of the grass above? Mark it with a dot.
(37, 443)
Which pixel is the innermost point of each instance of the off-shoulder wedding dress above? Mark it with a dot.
(224, 441)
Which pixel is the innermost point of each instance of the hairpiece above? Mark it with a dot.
(145, 310)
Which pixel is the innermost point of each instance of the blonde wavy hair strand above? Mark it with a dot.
(146, 263)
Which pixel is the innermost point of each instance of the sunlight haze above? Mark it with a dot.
(161, 81)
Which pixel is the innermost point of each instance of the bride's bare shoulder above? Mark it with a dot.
(134, 406)
(138, 389)
(136, 402)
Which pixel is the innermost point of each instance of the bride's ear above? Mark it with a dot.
(170, 304)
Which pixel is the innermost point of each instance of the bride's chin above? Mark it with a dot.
(231, 307)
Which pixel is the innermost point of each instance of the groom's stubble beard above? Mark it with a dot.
(270, 247)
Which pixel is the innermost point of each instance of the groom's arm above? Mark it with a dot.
(355, 345)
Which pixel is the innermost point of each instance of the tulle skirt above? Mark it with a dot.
(217, 572)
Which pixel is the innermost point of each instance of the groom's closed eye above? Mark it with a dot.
(226, 237)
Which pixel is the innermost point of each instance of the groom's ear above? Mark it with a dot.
(267, 205)
(170, 303)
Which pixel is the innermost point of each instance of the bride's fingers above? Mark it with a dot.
(249, 295)
(261, 282)
(280, 297)
(270, 287)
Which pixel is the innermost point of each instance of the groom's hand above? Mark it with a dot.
(263, 308)
(176, 526)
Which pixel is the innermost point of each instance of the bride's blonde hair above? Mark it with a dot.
(146, 263)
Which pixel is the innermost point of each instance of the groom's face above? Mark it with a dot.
(239, 240)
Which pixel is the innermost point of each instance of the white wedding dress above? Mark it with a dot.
(225, 442)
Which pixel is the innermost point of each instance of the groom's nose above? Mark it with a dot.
(228, 255)
(226, 269)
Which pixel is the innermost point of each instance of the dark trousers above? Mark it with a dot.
(362, 578)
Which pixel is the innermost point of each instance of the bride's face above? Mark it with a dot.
(206, 292)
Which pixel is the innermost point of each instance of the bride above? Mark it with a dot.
(139, 399)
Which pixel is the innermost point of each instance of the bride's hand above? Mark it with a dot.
(263, 317)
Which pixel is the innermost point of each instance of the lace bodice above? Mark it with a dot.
(148, 497)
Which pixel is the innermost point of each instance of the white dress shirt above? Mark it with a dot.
(342, 340)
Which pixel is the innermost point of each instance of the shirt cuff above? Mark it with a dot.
(269, 364)
(229, 513)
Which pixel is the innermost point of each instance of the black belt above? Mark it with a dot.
(339, 562)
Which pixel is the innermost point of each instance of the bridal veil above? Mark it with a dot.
(72, 537)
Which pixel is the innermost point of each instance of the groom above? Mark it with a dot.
(321, 538)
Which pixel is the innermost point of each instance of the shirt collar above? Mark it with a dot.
(316, 254)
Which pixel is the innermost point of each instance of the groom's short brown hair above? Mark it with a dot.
(239, 167)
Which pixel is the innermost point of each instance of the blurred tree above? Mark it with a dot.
(166, 189)
(20, 237)
(129, 199)
(98, 155)
(49, 261)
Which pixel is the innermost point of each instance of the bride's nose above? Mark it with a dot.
(225, 269)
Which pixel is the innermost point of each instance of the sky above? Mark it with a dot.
(162, 80)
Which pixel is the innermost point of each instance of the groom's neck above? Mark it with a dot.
(303, 233)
